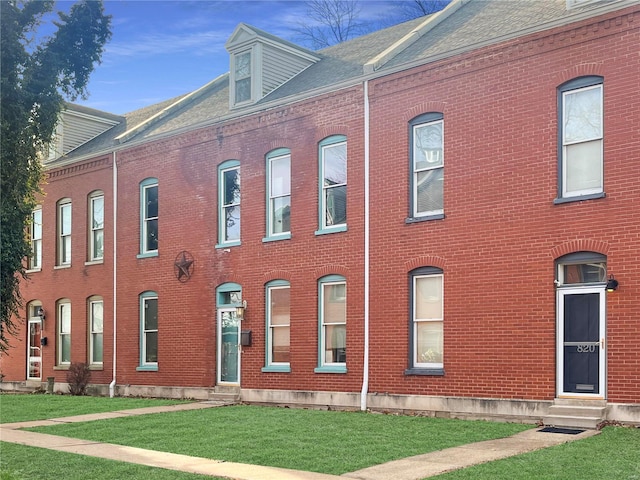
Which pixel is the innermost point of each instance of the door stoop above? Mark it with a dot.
(575, 413)
(227, 394)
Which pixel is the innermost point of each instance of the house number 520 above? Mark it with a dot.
(586, 348)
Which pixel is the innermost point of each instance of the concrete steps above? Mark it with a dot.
(225, 394)
(571, 413)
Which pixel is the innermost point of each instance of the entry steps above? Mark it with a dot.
(225, 394)
(575, 413)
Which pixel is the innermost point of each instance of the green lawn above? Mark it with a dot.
(313, 440)
(612, 455)
(18, 462)
(21, 408)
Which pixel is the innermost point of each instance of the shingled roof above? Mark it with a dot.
(465, 25)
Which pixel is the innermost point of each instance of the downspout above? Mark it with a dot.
(112, 385)
(365, 365)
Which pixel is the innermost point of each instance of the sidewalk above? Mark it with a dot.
(412, 468)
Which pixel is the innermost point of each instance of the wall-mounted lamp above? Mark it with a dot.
(240, 310)
(40, 313)
(612, 284)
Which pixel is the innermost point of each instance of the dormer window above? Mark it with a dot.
(242, 79)
(261, 63)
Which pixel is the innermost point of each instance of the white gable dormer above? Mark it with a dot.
(260, 63)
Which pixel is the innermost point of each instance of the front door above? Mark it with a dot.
(581, 342)
(34, 350)
(228, 347)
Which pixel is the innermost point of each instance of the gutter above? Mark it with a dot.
(365, 363)
(112, 385)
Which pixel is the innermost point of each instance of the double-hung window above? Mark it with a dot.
(333, 184)
(427, 167)
(580, 142)
(278, 326)
(96, 227)
(279, 194)
(242, 77)
(229, 203)
(332, 296)
(427, 321)
(148, 331)
(64, 333)
(64, 232)
(35, 259)
(96, 330)
(149, 217)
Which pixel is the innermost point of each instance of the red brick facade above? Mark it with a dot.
(496, 246)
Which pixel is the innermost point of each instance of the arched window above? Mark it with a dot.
(278, 194)
(149, 217)
(96, 226)
(148, 331)
(278, 326)
(229, 203)
(332, 165)
(332, 324)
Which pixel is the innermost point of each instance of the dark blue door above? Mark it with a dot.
(582, 343)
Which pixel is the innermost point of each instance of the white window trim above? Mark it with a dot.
(416, 321)
(222, 207)
(93, 332)
(417, 171)
(273, 156)
(64, 208)
(565, 144)
(35, 259)
(63, 306)
(323, 365)
(329, 142)
(145, 185)
(144, 298)
(93, 230)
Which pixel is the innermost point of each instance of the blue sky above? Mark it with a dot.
(161, 49)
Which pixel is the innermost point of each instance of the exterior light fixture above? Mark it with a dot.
(40, 313)
(612, 284)
(240, 310)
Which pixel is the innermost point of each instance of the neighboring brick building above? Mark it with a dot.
(375, 273)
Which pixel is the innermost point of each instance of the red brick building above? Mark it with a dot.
(428, 219)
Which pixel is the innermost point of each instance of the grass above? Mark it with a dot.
(323, 441)
(614, 454)
(313, 440)
(18, 462)
(21, 408)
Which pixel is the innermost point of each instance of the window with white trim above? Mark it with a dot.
(279, 194)
(149, 217)
(148, 331)
(580, 120)
(96, 330)
(427, 321)
(278, 325)
(333, 183)
(63, 343)
(427, 166)
(332, 296)
(35, 259)
(64, 232)
(96, 226)
(229, 203)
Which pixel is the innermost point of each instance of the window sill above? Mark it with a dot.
(277, 369)
(33, 270)
(578, 198)
(62, 367)
(61, 267)
(286, 236)
(147, 255)
(426, 218)
(329, 230)
(227, 245)
(147, 368)
(96, 366)
(94, 262)
(425, 371)
(331, 369)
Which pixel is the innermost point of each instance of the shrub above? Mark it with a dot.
(78, 377)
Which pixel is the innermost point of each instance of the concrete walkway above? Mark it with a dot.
(412, 468)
